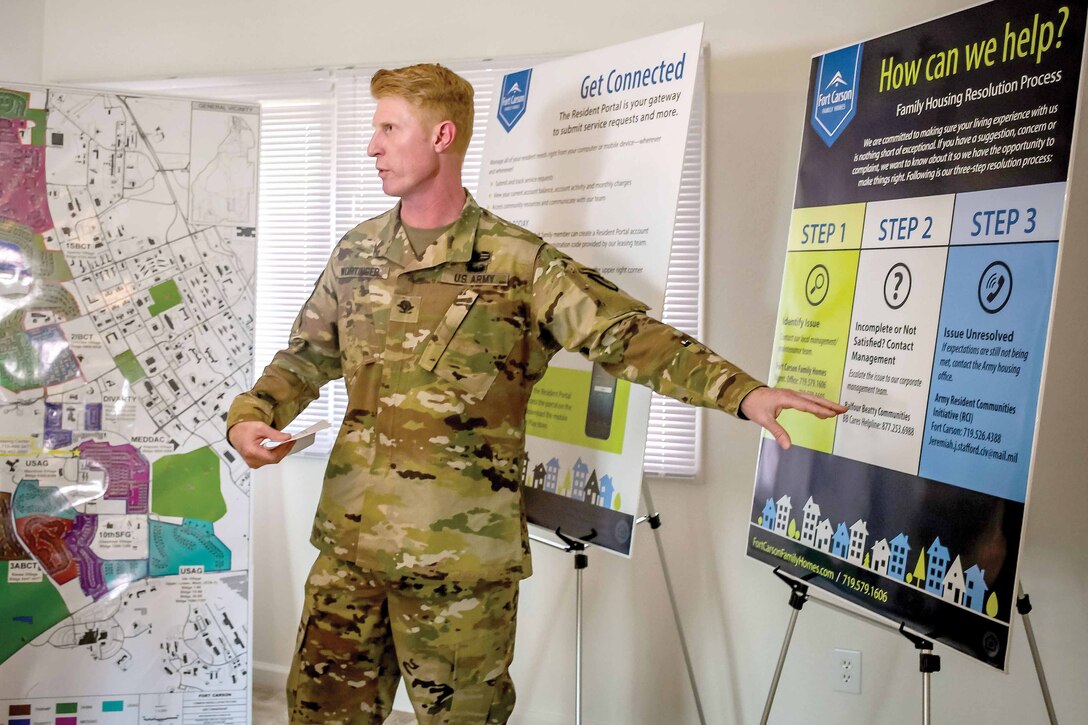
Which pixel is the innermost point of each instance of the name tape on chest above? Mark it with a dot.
(477, 279)
(361, 272)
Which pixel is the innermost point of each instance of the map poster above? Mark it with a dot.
(919, 280)
(588, 153)
(127, 258)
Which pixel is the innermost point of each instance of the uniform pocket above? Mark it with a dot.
(468, 345)
(363, 387)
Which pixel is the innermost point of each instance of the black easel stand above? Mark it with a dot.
(928, 663)
(581, 561)
(654, 520)
(1023, 606)
(798, 597)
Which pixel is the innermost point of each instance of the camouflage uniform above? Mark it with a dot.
(439, 356)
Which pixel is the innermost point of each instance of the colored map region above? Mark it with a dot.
(193, 543)
(165, 295)
(127, 473)
(187, 486)
(26, 611)
(22, 175)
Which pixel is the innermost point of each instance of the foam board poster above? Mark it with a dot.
(920, 270)
(587, 151)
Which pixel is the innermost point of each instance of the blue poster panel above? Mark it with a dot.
(921, 264)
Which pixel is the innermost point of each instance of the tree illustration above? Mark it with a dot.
(991, 605)
(919, 570)
(616, 502)
(565, 490)
(759, 521)
(792, 531)
(866, 562)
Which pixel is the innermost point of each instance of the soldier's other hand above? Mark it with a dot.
(763, 405)
(246, 437)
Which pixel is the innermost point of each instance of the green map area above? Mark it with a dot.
(165, 296)
(129, 366)
(187, 486)
(26, 610)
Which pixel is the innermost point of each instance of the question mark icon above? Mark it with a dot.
(897, 285)
(1061, 28)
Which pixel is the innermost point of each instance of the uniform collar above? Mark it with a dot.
(455, 245)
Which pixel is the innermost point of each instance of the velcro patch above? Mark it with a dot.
(405, 308)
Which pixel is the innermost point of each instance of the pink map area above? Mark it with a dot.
(128, 475)
(22, 179)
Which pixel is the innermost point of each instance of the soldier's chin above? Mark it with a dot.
(390, 189)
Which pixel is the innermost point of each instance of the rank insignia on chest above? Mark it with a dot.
(405, 308)
(479, 260)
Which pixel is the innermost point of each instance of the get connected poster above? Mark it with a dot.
(588, 152)
(920, 271)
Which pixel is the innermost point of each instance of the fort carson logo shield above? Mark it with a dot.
(836, 92)
(514, 98)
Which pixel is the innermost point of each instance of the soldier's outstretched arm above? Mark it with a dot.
(246, 437)
(763, 406)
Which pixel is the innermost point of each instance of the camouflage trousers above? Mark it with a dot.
(360, 633)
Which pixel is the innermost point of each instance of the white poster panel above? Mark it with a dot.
(127, 259)
(587, 152)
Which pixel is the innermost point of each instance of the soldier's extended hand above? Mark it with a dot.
(763, 406)
(246, 438)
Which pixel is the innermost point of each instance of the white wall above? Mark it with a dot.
(734, 609)
(21, 49)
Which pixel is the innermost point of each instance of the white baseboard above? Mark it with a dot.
(269, 676)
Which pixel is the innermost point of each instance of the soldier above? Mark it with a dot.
(440, 317)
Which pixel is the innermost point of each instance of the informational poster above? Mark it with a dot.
(920, 273)
(587, 152)
(127, 256)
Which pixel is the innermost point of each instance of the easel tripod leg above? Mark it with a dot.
(1023, 605)
(798, 597)
(655, 523)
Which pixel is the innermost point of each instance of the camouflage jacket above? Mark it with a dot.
(439, 357)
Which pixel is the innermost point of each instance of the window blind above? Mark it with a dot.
(317, 182)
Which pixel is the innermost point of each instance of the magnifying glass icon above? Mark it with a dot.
(816, 284)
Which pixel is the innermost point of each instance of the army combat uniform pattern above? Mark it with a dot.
(439, 357)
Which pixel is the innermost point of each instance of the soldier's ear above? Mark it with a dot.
(444, 134)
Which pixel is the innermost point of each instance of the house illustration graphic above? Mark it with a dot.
(858, 536)
(581, 473)
(769, 514)
(810, 522)
(938, 572)
(938, 564)
(953, 583)
(840, 543)
(881, 554)
(897, 565)
(975, 588)
(824, 533)
(782, 518)
(608, 492)
(593, 489)
(551, 482)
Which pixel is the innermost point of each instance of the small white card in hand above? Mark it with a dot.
(305, 438)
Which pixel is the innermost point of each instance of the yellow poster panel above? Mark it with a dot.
(812, 335)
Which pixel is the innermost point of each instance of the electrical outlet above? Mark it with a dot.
(846, 671)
